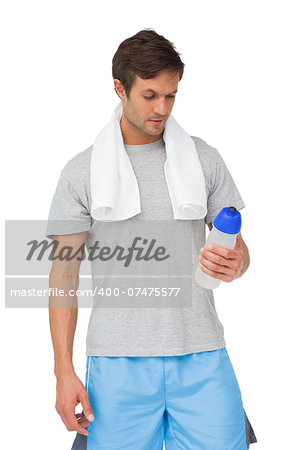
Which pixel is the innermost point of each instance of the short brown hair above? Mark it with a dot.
(145, 54)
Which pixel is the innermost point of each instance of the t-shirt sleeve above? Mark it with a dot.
(68, 213)
(223, 191)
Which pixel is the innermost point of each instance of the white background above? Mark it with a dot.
(240, 93)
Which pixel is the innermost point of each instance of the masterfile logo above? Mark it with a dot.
(140, 263)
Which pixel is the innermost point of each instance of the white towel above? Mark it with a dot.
(114, 188)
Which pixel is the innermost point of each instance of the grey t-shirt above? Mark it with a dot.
(148, 331)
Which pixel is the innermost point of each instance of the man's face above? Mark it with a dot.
(150, 100)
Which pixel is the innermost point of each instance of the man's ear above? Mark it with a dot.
(119, 89)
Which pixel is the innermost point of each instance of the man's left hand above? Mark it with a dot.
(223, 263)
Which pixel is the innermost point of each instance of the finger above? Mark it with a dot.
(64, 419)
(71, 418)
(84, 399)
(210, 256)
(217, 268)
(218, 275)
(227, 253)
(82, 420)
(238, 241)
(84, 423)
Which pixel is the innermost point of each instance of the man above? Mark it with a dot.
(152, 374)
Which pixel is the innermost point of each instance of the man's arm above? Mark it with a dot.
(64, 275)
(225, 264)
(63, 310)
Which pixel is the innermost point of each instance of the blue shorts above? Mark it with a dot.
(189, 401)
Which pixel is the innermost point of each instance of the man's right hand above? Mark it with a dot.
(69, 392)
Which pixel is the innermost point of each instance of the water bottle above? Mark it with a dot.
(226, 227)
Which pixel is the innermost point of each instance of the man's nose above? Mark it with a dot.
(160, 107)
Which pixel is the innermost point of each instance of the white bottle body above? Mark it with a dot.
(224, 240)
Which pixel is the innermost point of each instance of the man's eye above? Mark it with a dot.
(149, 98)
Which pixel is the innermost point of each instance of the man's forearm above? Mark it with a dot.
(63, 312)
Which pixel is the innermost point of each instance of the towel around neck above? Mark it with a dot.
(114, 189)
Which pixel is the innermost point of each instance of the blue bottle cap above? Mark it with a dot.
(228, 220)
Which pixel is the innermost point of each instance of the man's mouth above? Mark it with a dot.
(156, 121)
